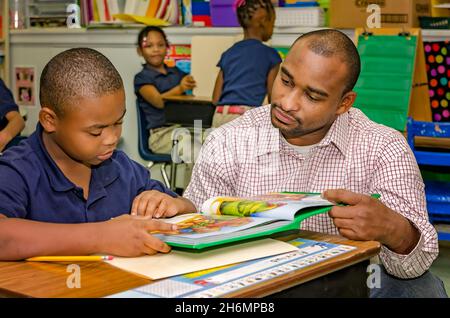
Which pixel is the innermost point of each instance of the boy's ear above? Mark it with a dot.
(347, 101)
(48, 119)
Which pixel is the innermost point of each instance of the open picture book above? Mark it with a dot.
(224, 220)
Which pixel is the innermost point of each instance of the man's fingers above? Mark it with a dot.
(343, 196)
(343, 223)
(342, 212)
(350, 234)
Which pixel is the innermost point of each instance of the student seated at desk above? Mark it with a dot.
(248, 68)
(11, 122)
(66, 190)
(155, 81)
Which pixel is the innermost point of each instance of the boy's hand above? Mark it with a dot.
(187, 83)
(129, 236)
(156, 204)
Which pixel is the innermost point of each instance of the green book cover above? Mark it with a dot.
(226, 220)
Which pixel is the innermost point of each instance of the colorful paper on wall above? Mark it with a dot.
(438, 70)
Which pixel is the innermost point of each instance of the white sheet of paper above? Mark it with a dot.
(180, 262)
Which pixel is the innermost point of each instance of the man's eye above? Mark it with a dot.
(312, 98)
(95, 134)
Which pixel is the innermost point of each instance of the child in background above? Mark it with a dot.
(248, 68)
(66, 190)
(155, 81)
(11, 122)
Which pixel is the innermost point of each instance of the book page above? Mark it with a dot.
(195, 225)
(279, 206)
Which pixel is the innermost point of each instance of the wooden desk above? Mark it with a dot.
(185, 109)
(344, 275)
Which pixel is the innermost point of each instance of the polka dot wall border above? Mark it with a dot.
(438, 70)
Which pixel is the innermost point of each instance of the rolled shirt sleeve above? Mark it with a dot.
(400, 184)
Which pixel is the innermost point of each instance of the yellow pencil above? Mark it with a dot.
(90, 258)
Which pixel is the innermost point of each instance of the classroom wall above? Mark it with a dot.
(34, 47)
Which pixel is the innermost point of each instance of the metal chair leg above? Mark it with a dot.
(164, 175)
(173, 176)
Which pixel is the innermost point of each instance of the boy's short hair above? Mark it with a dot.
(77, 73)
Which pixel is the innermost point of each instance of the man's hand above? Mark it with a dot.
(129, 236)
(157, 205)
(368, 219)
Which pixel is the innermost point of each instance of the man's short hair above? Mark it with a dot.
(74, 74)
(330, 42)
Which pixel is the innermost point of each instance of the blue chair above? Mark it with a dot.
(151, 157)
(437, 192)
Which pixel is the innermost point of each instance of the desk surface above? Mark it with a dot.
(98, 279)
(189, 98)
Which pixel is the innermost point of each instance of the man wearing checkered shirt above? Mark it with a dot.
(310, 139)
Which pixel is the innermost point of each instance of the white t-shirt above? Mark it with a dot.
(303, 150)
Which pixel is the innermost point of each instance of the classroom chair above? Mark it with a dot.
(151, 157)
(437, 192)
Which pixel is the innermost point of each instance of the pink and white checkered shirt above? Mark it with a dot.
(248, 156)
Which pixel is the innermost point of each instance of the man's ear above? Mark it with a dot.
(48, 119)
(347, 101)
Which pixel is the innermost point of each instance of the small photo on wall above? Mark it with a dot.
(25, 86)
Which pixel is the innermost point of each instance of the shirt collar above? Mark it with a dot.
(270, 138)
(103, 174)
(154, 72)
(338, 134)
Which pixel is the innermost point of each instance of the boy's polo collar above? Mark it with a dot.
(103, 174)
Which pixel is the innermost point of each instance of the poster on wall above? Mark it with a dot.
(24, 89)
(438, 70)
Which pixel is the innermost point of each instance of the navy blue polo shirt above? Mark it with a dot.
(33, 187)
(7, 104)
(154, 116)
(245, 68)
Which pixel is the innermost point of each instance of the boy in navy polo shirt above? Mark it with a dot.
(11, 123)
(66, 190)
